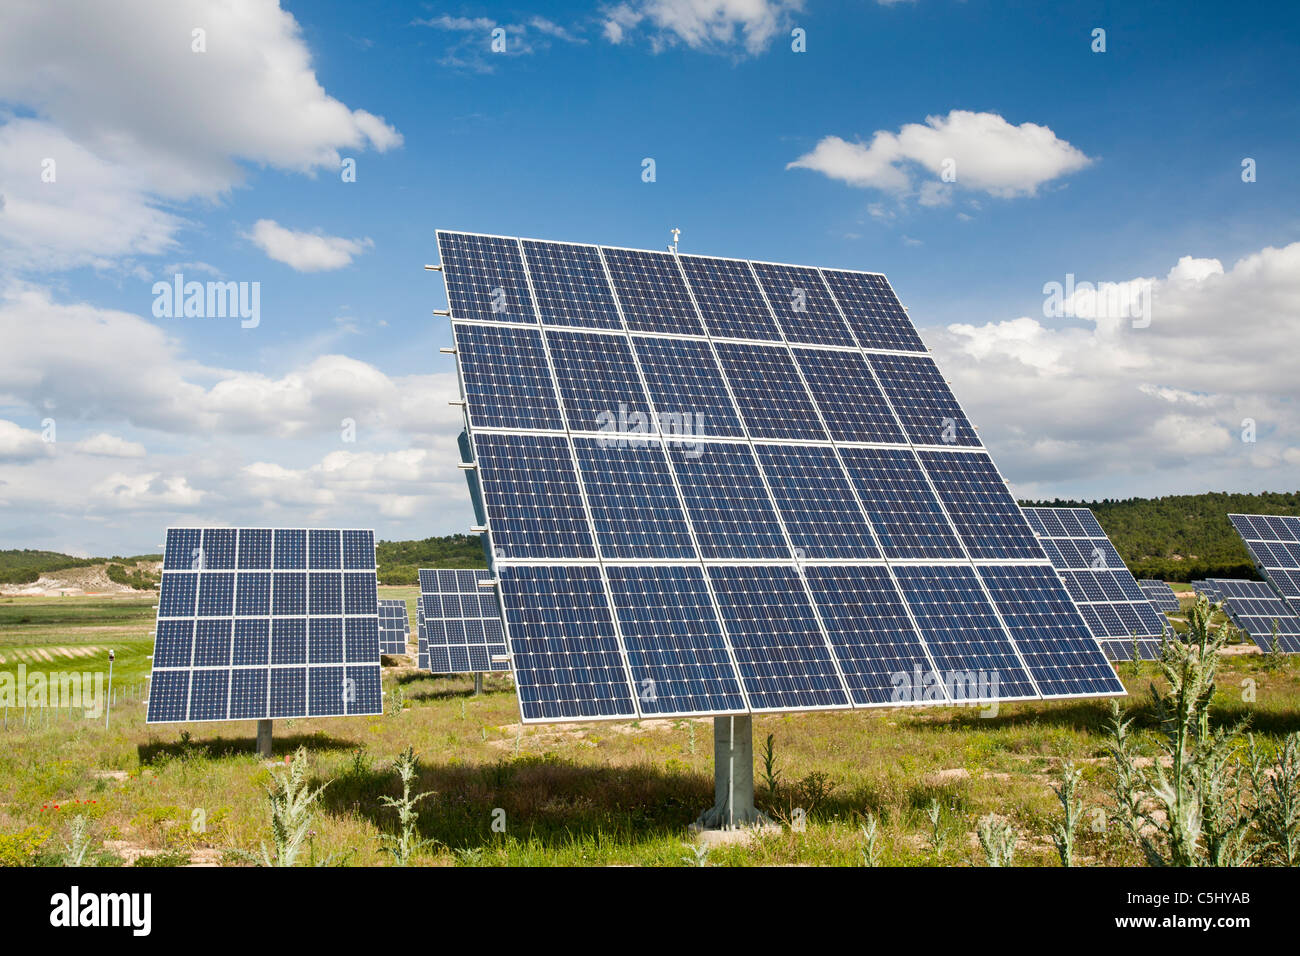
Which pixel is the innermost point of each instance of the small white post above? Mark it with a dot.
(108, 708)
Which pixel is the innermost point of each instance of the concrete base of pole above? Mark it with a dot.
(733, 777)
(264, 738)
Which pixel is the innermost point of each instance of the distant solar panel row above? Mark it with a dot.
(1258, 610)
(422, 636)
(257, 623)
(462, 622)
(1160, 595)
(1274, 544)
(704, 495)
(1095, 575)
(393, 625)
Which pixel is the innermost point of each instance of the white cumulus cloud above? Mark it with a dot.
(305, 251)
(983, 151)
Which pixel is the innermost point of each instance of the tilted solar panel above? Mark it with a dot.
(422, 637)
(462, 622)
(747, 488)
(1258, 610)
(1274, 544)
(258, 623)
(1160, 595)
(1096, 578)
(393, 625)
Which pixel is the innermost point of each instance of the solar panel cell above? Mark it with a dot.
(803, 306)
(485, 278)
(729, 299)
(874, 312)
(569, 285)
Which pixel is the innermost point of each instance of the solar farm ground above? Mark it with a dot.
(591, 794)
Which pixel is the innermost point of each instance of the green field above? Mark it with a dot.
(600, 793)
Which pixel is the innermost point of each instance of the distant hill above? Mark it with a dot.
(1182, 537)
(23, 566)
(399, 561)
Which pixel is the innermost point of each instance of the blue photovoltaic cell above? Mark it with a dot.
(652, 293)
(1274, 544)
(290, 549)
(1256, 608)
(874, 312)
(988, 519)
(684, 381)
(633, 501)
(729, 508)
(1059, 650)
(243, 645)
(849, 399)
(598, 382)
(773, 401)
(803, 307)
(1112, 604)
(255, 549)
(902, 509)
(485, 278)
(325, 691)
(393, 625)
(816, 502)
(879, 652)
(729, 298)
(507, 380)
(563, 645)
(531, 493)
(219, 549)
(1147, 650)
(971, 650)
(569, 285)
(1160, 595)
(422, 635)
(462, 622)
(779, 647)
(177, 594)
(169, 696)
(923, 401)
(324, 551)
(678, 656)
(183, 549)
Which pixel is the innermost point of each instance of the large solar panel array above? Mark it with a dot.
(1274, 545)
(1160, 595)
(462, 622)
(1100, 583)
(258, 623)
(715, 486)
(1255, 608)
(393, 625)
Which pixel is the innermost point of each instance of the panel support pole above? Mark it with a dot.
(733, 776)
(478, 684)
(264, 738)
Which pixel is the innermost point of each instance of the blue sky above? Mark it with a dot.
(1121, 166)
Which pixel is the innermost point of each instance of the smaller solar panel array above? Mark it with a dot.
(393, 625)
(462, 622)
(1256, 608)
(1207, 588)
(1274, 545)
(422, 637)
(259, 623)
(1160, 595)
(1099, 582)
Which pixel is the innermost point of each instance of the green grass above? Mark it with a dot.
(591, 794)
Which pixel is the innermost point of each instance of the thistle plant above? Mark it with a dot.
(998, 839)
(78, 842)
(698, 855)
(1276, 791)
(938, 833)
(406, 843)
(292, 805)
(1072, 805)
(1186, 810)
(870, 851)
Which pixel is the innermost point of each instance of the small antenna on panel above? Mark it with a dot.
(676, 233)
